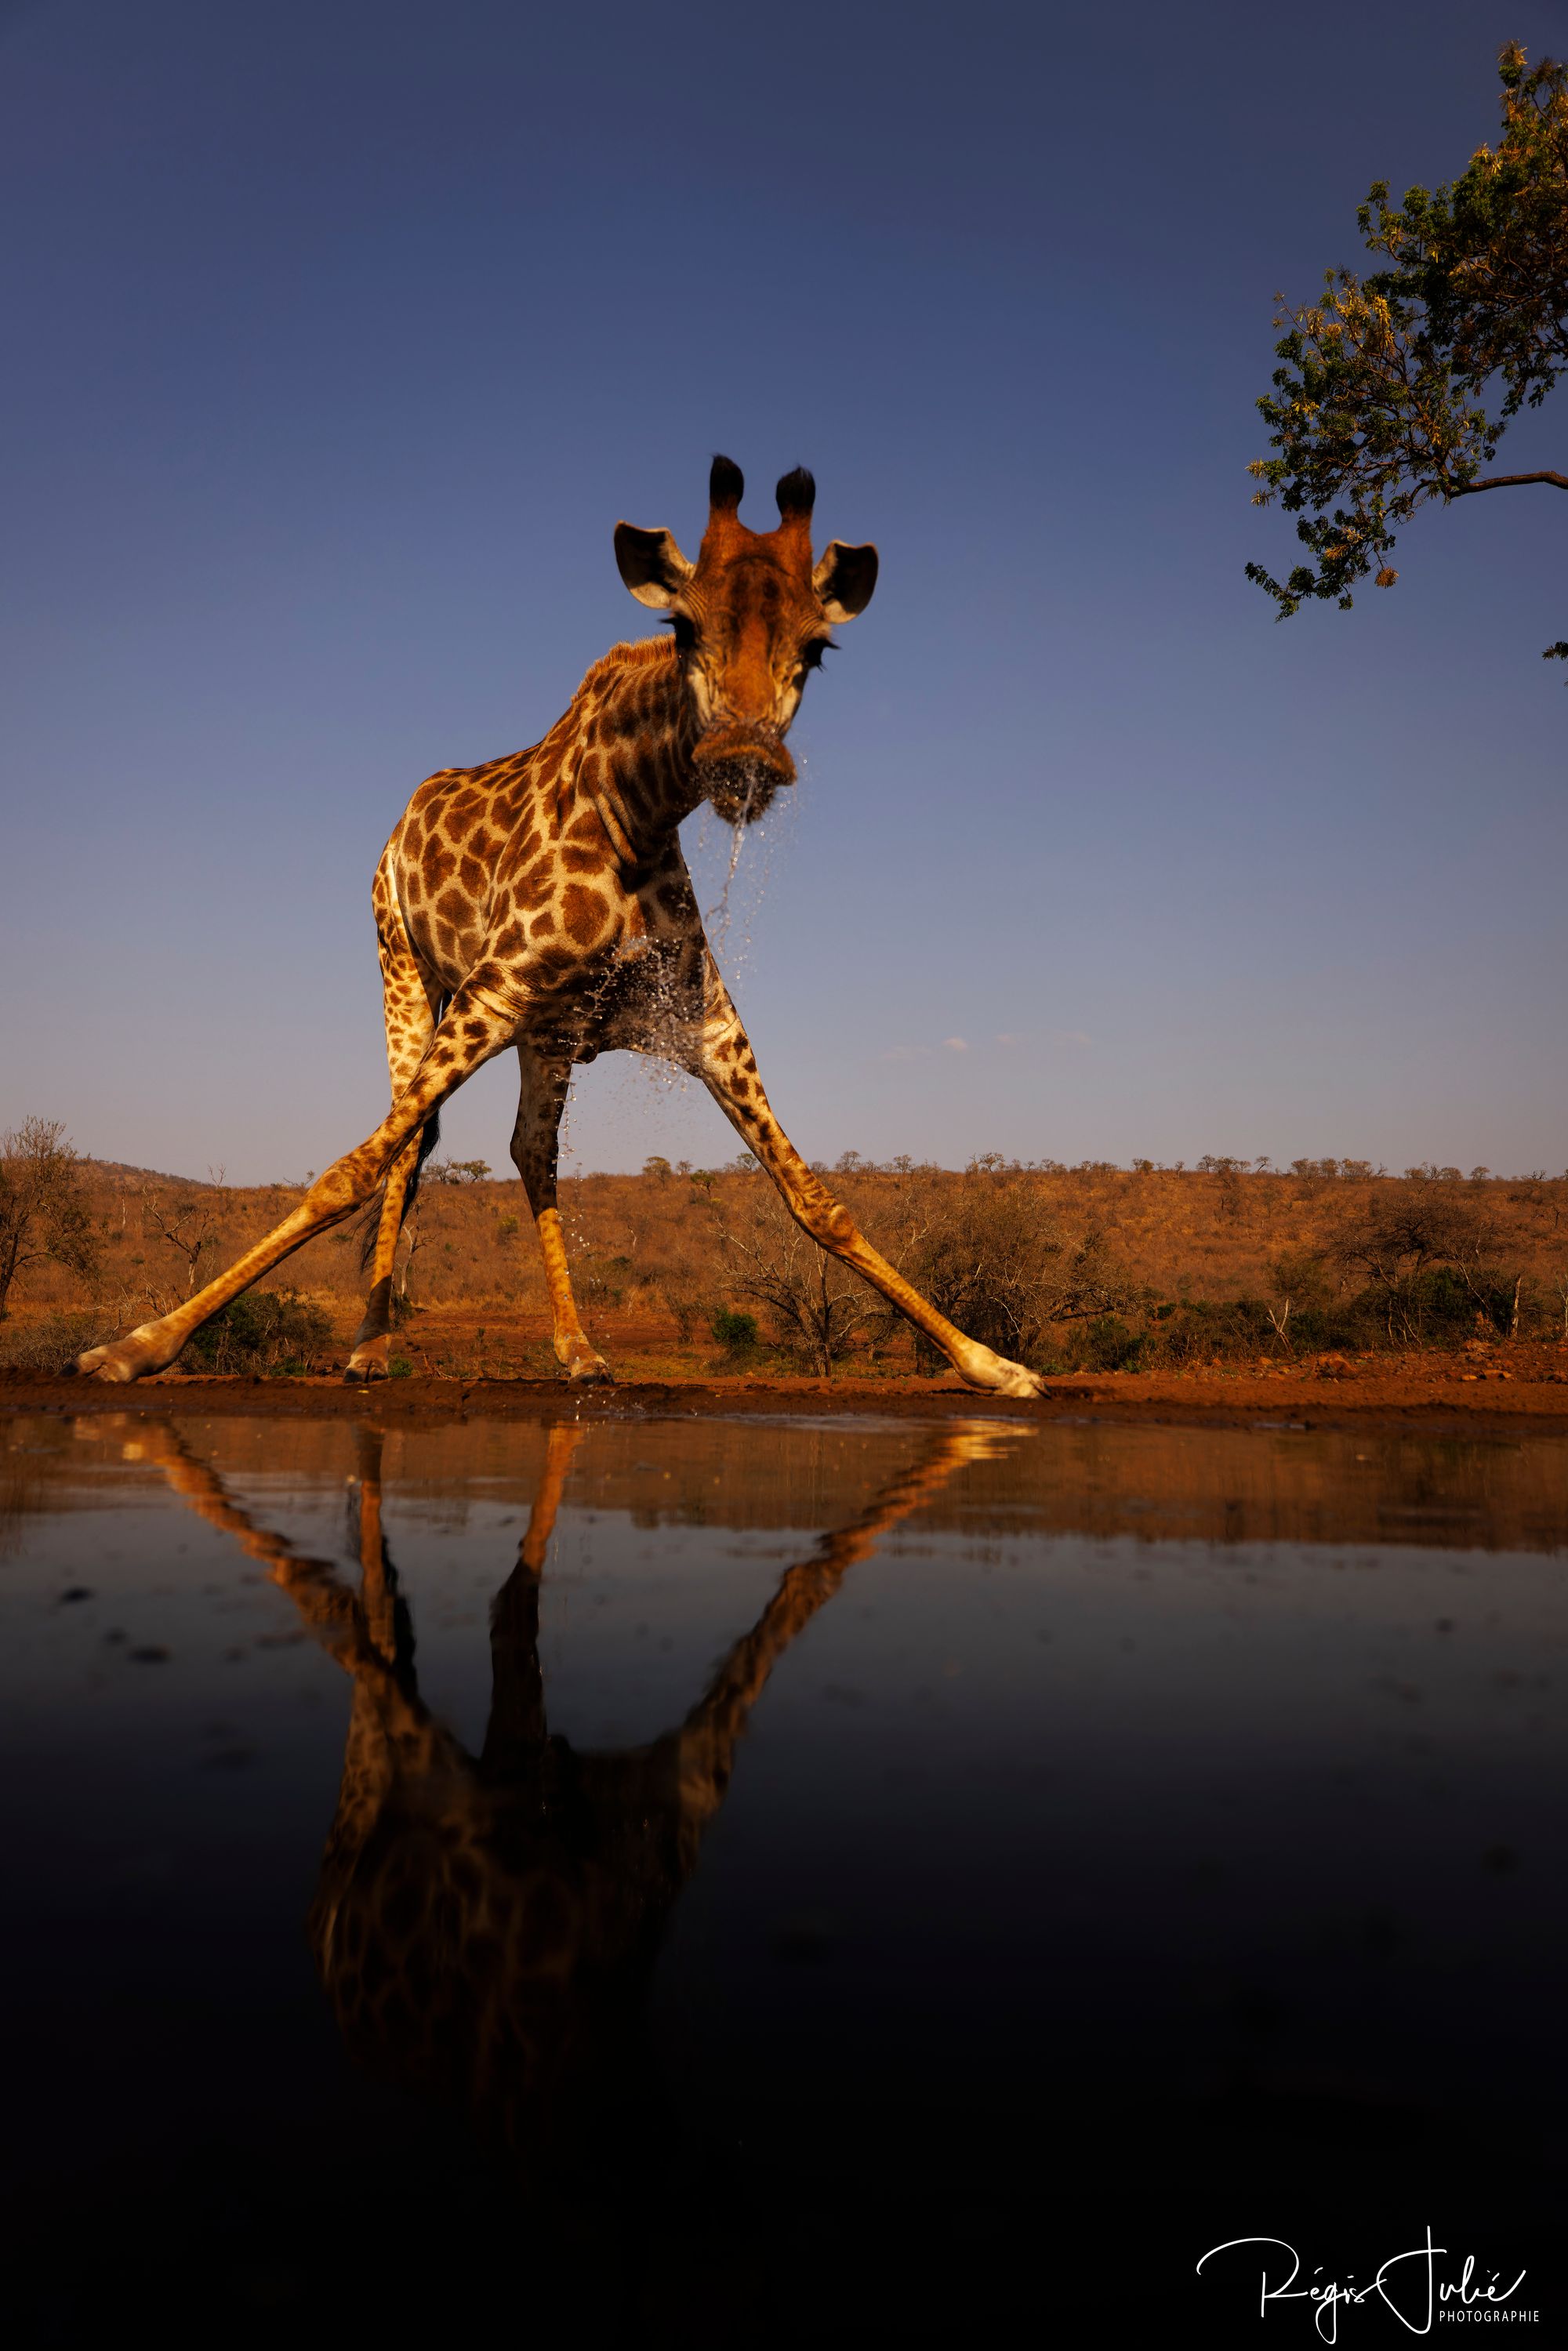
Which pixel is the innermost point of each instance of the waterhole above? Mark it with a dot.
(845, 1878)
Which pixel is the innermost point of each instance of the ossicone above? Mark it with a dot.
(725, 486)
(796, 494)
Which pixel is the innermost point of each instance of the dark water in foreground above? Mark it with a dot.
(671, 1880)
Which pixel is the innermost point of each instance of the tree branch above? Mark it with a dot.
(1509, 482)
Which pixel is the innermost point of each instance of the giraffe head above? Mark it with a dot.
(752, 617)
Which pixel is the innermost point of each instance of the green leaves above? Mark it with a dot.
(1395, 388)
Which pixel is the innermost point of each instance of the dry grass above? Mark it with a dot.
(1151, 1251)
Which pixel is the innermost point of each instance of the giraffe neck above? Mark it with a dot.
(639, 729)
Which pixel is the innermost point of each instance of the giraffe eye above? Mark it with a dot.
(812, 651)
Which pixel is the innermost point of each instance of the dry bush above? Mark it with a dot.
(990, 1254)
(1430, 1255)
(188, 1220)
(44, 1213)
(818, 1311)
(54, 1343)
(260, 1331)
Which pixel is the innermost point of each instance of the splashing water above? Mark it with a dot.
(645, 1090)
(715, 918)
(764, 836)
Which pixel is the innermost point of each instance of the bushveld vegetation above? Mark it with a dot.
(691, 1270)
(44, 1215)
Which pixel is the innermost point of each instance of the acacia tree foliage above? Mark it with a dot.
(1396, 387)
(43, 1212)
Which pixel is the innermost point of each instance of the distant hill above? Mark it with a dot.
(121, 1171)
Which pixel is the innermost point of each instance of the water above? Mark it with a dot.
(784, 1877)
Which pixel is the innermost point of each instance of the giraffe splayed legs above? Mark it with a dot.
(543, 900)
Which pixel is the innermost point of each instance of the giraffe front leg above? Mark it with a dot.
(474, 1029)
(535, 1146)
(723, 1060)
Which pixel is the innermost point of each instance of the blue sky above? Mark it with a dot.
(343, 333)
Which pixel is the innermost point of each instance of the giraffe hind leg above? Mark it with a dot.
(372, 1340)
(410, 1007)
(535, 1145)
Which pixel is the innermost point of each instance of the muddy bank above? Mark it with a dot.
(1216, 1400)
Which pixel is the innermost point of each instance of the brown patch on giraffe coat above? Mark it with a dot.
(583, 911)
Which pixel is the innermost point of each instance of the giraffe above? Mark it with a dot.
(541, 903)
(486, 1926)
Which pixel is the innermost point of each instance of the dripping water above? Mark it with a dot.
(731, 881)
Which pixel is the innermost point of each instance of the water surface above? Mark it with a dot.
(691, 1876)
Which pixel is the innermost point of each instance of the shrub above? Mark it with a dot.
(261, 1330)
(1109, 1344)
(818, 1310)
(1198, 1330)
(53, 1344)
(735, 1331)
(992, 1258)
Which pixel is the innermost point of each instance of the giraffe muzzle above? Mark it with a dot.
(740, 768)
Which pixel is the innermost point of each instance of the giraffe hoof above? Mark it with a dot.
(998, 1377)
(590, 1370)
(122, 1360)
(368, 1363)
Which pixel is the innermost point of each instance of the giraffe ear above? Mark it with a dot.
(844, 580)
(651, 564)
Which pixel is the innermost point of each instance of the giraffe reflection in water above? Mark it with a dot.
(486, 1925)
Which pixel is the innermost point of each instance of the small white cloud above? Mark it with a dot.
(957, 1044)
(1070, 1037)
(1006, 1037)
(904, 1052)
